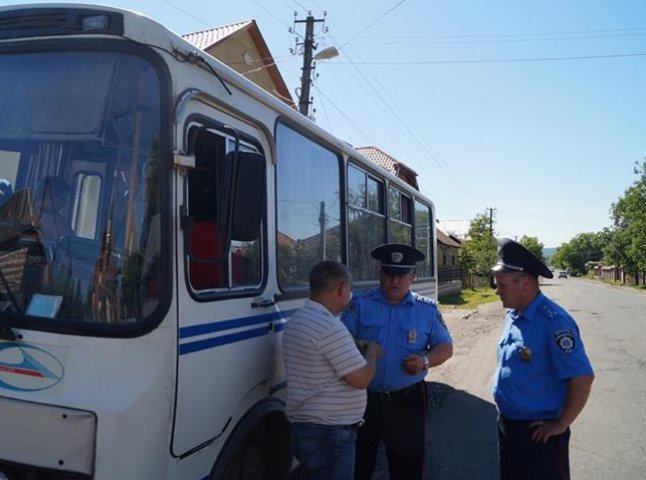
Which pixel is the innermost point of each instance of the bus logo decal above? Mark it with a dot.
(27, 368)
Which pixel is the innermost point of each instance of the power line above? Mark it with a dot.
(501, 60)
(373, 23)
(406, 127)
(269, 12)
(186, 12)
(342, 113)
(518, 34)
(413, 41)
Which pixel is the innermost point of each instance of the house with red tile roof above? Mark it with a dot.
(448, 266)
(390, 163)
(241, 47)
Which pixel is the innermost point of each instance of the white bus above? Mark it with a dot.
(159, 215)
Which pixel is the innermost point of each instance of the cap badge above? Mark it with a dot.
(397, 257)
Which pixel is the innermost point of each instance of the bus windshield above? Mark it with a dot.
(79, 188)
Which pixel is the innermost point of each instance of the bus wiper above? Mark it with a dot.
(6, 333)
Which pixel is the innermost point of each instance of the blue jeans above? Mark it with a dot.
(324, 452)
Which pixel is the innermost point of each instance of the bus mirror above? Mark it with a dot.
(248, 194)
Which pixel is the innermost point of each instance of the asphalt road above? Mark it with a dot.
(609, 438)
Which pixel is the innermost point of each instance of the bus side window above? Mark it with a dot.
(207, 266)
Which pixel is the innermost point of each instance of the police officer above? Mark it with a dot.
(543, 378)
(414, 338)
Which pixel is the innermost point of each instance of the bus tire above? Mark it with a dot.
(263, 453)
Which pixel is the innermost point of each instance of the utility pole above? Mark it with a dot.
(322, 223)
(491, 221)
(308, 48)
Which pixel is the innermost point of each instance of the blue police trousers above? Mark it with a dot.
(523, 459)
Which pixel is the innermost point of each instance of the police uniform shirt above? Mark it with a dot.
(538, 352)
(410, 327)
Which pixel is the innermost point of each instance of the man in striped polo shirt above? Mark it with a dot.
(326, 377)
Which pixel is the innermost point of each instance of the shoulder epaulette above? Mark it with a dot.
(547, 310)
(423, 299)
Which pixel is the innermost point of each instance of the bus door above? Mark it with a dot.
(225, 310)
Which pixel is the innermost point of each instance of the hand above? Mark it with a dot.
(373, 350)
(413, 364)
(362, 345)
(544, 430)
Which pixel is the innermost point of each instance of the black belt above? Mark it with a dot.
(393, 395)
(522, 422)
(352, 426)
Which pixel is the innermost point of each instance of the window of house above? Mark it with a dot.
(366, 222)
(308, 206)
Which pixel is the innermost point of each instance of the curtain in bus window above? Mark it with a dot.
(308, 205)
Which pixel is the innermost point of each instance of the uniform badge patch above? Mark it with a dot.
(565, 340)
(525, 354)
(412, 336)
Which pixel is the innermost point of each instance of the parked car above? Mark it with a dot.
(562, 274)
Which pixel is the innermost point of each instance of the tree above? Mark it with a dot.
(583, 248)
(628, 244)
(478, 253)
(533, 245)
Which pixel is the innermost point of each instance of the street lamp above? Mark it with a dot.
(327, 53)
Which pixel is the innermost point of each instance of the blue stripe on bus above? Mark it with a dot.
(213, 342)
(223, 340)
(211, 327)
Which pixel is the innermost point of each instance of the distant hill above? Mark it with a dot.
(548, 252)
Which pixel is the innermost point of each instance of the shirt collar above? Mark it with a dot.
(407, 299)
(530, 312)
(309, 303)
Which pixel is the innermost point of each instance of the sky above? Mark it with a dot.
(532, 109)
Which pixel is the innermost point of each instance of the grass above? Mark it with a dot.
(468, 298)
(617, 283)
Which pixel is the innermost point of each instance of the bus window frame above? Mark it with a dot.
(149, 55)
(432, 236)
(294, 292)
(215, 127)
(383, 181)
(411, 212)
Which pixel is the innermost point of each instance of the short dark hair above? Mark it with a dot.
(326, 275)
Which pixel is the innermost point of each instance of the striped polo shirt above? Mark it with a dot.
(318, 351)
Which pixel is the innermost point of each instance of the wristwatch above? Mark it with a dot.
(425, 359)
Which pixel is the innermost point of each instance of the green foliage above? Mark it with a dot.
(533, 245)
(627, 246)
(467, 299)
(583, 248)
(478, 253)
(624, 245)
